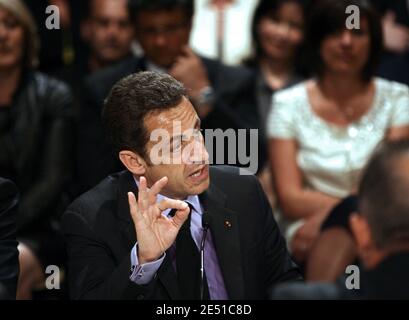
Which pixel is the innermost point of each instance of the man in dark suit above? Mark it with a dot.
(9, 267)
(380, 231)
(138, 233)
(162, 28)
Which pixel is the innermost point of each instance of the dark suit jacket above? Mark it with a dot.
(36, 148)
(9, 267)
(95, 159)
(100, 235)
(388, 280)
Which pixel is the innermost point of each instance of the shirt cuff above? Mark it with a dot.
(144, 273)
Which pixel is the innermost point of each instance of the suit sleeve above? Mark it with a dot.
(93, 271)
(9, 266)
(278, 266)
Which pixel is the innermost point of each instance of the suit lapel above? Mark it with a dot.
(166, 274)
(225, 232)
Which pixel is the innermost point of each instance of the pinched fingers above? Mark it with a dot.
(182, 210)
(172, 204)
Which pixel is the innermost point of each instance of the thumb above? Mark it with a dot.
(181, 216)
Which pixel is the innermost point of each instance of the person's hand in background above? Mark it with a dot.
(396, 36)
(189, 70)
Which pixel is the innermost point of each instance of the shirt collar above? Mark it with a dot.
(193, 200)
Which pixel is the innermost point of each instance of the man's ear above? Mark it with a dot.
(133, 162)
(362, 232)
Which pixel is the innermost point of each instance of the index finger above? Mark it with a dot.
(158, 186)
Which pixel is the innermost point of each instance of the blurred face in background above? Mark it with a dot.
(12, 37)
(281, 33)
(108, 31)
(162, 34)
(347, 51)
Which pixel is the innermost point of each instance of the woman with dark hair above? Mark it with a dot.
(35, 144)
(277, 32)
(323, 130)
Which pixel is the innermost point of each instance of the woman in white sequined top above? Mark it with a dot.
(323, 131)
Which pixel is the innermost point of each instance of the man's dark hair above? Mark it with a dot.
(136, 6)
(384, 194)
(86, 9)
(329, 17)
(130, 101)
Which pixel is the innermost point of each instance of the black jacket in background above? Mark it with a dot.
(100, 235)
(36, 146)
(387, 281)
(9, 267)
(95, 159)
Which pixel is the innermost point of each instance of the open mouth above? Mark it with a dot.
(200, 173)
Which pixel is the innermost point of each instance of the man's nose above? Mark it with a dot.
(112, 30)
(346, 38)
(160, 39)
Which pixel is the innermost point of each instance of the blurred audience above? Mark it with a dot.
(324, 129)
(36, 144)
(162, 29)
(395, 24)
(8, 245)
(395, 62)
(334, 249)
(216, 32)
(57, 49)
(379, 230)
(277, 33)
(108, 31)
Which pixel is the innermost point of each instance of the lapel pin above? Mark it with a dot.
(227, 223)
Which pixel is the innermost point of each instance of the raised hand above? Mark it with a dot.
(155, 233)
(190, 70)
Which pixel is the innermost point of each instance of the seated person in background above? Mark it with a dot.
(334, 249)
(277, 33)
(380, 231)
(108, 31)
(35, 144)
(162, 29)
(106, 36)
(8, 243)
(123, 248)
(324, 130)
